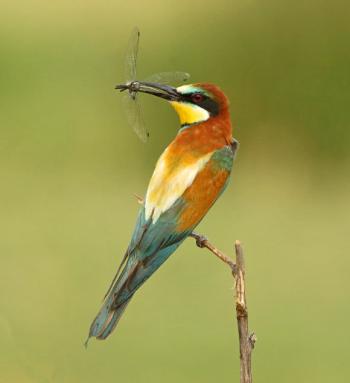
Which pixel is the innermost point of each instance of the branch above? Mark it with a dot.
(202, 241)
(246, 340)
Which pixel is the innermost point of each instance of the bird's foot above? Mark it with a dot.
(200, 239)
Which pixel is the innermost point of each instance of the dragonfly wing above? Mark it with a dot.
(131, 55)
(134, 117)
(168, 77)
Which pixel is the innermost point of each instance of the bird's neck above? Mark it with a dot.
(204, 137)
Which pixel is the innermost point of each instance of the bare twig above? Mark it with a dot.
(246, 340)
(202, 241)
(140, 199)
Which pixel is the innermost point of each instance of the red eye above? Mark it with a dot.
(197, 97)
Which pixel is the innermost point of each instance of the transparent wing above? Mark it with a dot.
(134, 117)
(131, 55)
(168, 77)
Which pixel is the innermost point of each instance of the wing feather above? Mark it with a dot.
(169, 181)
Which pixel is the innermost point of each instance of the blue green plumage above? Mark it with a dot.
(150, 247)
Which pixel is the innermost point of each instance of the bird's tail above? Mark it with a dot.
(124, 286)
(110, 312)
(106, 320)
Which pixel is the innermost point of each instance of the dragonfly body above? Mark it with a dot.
(188, 178)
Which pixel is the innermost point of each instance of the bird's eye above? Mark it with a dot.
(197, 97)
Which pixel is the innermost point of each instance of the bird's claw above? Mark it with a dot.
(200, 239)
(234, 146)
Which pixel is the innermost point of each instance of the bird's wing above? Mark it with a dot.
(154, 240)
(208, 185)
(171, 177)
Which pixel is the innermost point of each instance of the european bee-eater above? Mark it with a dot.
(189, 176)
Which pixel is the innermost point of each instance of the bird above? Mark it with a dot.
(191, 173)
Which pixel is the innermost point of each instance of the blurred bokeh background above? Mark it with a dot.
(69, 166)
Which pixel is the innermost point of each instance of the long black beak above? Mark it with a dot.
(160, 90)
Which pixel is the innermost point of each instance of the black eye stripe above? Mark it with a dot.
(206, 103)
(210, 105)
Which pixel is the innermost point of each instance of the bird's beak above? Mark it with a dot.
(160, 90)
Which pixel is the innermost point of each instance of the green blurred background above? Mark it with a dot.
(69, 166)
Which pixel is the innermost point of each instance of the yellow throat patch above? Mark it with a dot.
(189, 113)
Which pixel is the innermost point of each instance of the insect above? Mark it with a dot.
(132, 86)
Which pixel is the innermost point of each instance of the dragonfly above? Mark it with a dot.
(132, 86)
